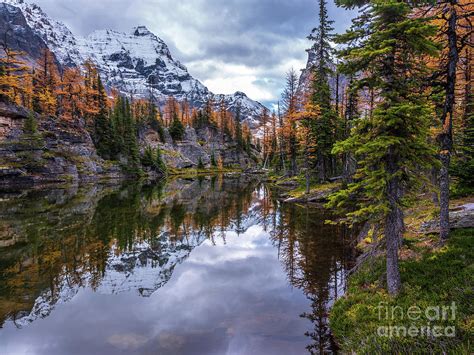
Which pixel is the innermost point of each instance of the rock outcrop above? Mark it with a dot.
(63, 151)
(198, 144)
(58, 152)
(18, 35)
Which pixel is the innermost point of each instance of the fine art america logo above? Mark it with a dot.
(415, 321)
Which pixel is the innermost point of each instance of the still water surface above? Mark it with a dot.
(208, 266)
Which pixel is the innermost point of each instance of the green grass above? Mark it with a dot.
(436, 278)
(191, 172)
(299, 188)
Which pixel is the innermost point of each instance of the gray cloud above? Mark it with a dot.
(230, 45)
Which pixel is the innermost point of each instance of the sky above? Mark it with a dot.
(229, 45)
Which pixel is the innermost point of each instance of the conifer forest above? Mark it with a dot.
(329, 209)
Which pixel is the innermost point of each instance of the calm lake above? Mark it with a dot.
(214, 265)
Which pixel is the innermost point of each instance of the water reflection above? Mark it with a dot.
(191, 266)
(316, 258)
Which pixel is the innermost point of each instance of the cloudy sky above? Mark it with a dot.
(230, 45)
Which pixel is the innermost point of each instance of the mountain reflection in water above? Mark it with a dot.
(213, 265)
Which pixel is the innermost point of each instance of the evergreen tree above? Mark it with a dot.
(324, 127)
(130, 137)
(116, 118)
(12, 73)
(307, 118)
(103, 131)
(148, 158)
(391, 147)
(351, 114)
(124, 133)
(152, 159)
(177, 129)
(154, 121)
(281, 139)
(31, 137)
(238, 127)
(45, 84)
(463, 167)
(451, 16)
(290, 103)
(31, 126)
(160, 165)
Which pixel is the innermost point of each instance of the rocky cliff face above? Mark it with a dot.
(304, 84)
(63, 151)
(198, 144)
(18, 35)
(55, 35)
(137, 63)
(59, 152)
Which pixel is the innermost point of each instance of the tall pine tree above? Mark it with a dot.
(391, 147)
(324, 127)
(290, 105)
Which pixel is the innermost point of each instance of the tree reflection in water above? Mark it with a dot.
(316, 256)
(130, 238)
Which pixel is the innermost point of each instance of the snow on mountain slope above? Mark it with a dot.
(56, 35)
(137, 63)
(250, 110)
(140, 64)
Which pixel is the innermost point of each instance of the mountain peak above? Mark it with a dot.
(240, 94)
(141, 31)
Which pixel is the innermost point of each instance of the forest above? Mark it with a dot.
(381, 121)
(76, 95)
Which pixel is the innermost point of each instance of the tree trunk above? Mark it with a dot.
(349, 168)
(446, 137)
(434, 181)
(444, 226)
(282, 164)
(294, 164)
(394, 224)
(306, 167)
(393, 237)
(321, 168)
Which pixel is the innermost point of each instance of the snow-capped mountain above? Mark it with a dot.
(137, 63)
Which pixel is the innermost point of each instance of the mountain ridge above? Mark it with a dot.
(137, 63)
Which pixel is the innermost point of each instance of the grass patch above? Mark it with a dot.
(300, 191)
(437, 278)
(295, 187)
(192, 172)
